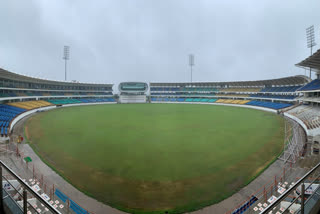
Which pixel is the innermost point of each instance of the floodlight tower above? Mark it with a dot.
(191, 63)
(310, 40)
(66, 56)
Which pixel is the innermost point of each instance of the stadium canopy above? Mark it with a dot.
(293, 80)
(312, 61)
(4, 74)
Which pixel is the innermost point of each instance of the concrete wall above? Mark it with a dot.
(226, 104)
(133, 98)
(308, 132)
(24, 114)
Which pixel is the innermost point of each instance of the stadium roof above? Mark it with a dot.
(312, 61)
(293, 80)
(18, 77)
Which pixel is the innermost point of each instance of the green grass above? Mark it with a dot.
(155, 157)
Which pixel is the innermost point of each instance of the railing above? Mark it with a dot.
(33, 176)
(25, 190)
(301, 199)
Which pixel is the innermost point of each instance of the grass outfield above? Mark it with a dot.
(155, 157)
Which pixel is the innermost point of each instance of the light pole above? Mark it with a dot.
(191, 63)
(310, 40)
(66, 56)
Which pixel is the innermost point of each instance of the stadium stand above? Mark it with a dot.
(283, 90)
(275, 94)
(308, 112)
(19, 93)
(64, 101)
(133, 92)
(233, 95)
(313, 85)
(7, 113)
(240, 89)
(265, 104)
(271, 105)
(23, 87)
(287, 97)
(28, 105)
(310, 115)
(246, 206)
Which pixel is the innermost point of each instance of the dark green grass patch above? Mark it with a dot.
(156, 157)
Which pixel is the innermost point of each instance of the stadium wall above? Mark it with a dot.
(225, 104)
(21, 116)
(308, 132)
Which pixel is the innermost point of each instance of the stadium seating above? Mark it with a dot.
(212, 100)
(35, 93)
(240, 89)
(30, 104)
(20, 94)
(183, 89)
(288, 97)
(309, 115)
(11, 110)
(243, 102)
(246, 206)
(233, 95)
(7, 113)
(220, 101)
(271, 105)
(76, 101)
(229, 101)
(8, 95)
(280, 89)
(313, 85)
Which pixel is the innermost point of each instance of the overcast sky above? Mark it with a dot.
(149, 40)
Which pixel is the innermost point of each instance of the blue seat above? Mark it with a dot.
(313, 85)
(266, 104)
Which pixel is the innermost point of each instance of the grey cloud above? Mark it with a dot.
(148, 40)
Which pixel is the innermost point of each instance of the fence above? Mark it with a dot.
(281, 180)
(301, 203)
(30, 173)
(18, 190)
(267, 192)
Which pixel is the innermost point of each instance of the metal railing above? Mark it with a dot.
(289, 191)
(26, 189)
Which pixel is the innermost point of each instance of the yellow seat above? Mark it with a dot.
(30, 104)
